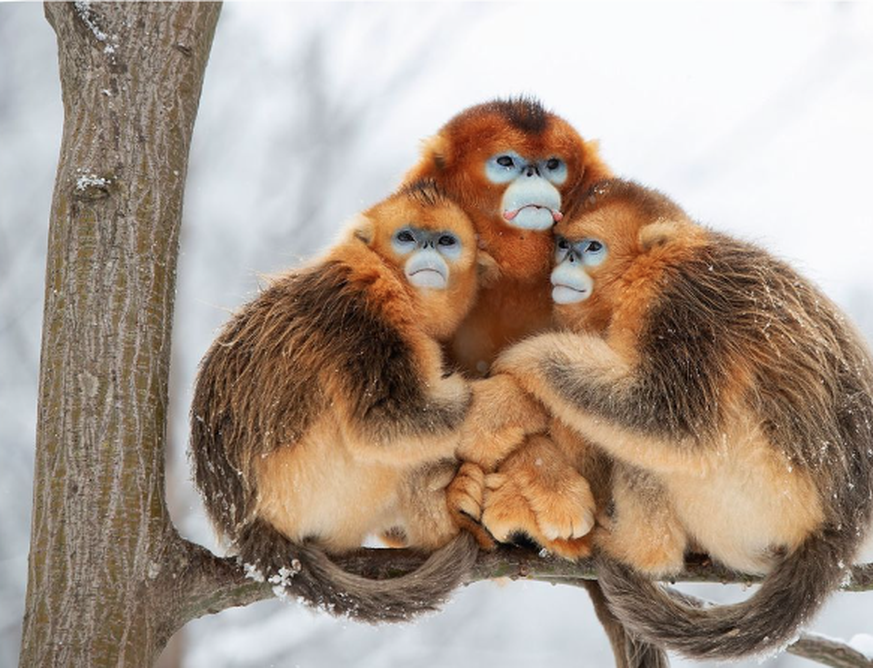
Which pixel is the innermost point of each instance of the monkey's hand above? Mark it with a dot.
(465, 497)
(501, 416)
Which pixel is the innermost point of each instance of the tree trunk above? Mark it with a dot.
(100, 581)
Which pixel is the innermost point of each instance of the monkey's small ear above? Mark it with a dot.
(595, 169)
(435, 151)
(658, 234)
(487, 269)
(363, 229)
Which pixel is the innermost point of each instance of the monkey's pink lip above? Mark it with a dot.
(511, 214)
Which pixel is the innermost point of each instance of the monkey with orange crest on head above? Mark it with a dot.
(514, 168)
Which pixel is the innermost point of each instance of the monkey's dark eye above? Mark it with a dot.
(505, 161)
(553, 164)
(563, 244)
(405, 236)
(447, 240)
(593, 247)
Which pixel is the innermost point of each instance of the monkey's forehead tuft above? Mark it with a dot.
(524, 113)
(425, 192)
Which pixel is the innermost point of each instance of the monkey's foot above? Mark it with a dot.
(509, 512)
(465, 497)
(564, 511)
(654, 550)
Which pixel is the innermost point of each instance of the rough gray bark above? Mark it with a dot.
(104, 559)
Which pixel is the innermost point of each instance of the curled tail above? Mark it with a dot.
(788, 597)
(305, 571)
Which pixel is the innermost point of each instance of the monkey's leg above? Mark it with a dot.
(644, 531)
(502, 415)
(537, 492)
(428, 523)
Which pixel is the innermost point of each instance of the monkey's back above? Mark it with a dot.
(310, 340)
(733, 316)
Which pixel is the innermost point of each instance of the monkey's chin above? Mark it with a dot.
(428, 278)
(564, 294)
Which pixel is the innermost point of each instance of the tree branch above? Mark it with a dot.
(829, 652)
(518, 563)
(221, 582)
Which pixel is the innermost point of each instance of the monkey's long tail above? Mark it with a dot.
(307, 572)
(788, 597)
(629, 651)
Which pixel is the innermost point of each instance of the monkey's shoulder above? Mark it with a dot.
(357, 326)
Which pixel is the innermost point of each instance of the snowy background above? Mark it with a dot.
(756, 117)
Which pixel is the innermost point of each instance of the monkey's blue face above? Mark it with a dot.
(570, 280)
(427, 255)
(531, 200)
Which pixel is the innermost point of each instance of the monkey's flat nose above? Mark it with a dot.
(532, 171)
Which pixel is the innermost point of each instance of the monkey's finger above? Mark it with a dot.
(494, 481)
(466, 493)
(470, 507)
(604, 519)
(571, 527)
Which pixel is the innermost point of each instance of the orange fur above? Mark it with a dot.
(336, 482)
(538, 493)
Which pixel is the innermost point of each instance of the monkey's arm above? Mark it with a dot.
(603, 395)
(501, 416)
(409, 412)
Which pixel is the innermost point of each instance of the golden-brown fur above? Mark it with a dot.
(323, 413)
(737, 404)
(511, 306)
